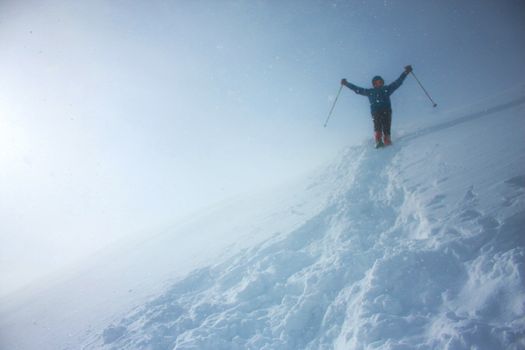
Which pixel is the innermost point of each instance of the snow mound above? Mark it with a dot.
(422, 246)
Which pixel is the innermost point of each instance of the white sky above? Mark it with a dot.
(124, 116)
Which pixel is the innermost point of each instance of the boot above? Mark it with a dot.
(378, 137)
(387, 140)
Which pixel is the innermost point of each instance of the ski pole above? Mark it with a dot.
(434, 104)
(333, 105)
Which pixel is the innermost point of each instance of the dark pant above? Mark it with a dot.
(382, 121)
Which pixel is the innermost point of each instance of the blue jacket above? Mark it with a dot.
(379, 97)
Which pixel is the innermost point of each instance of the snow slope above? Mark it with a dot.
(416, 246)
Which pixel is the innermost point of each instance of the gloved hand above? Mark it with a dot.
(408, 69)
(343, 81)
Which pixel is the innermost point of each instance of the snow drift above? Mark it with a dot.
(417, 246)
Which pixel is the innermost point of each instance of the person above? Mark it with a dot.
(381, 108)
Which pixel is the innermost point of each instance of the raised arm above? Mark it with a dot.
(397, 83)
(357, 89)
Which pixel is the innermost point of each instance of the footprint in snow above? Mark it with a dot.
(469, 214)
(516, 181)
(436, 201)
(516, 185)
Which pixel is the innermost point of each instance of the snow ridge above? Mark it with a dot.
(408, 253)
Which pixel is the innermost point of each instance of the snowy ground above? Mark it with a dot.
(416, 246)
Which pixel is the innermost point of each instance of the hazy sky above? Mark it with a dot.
(124, 116)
